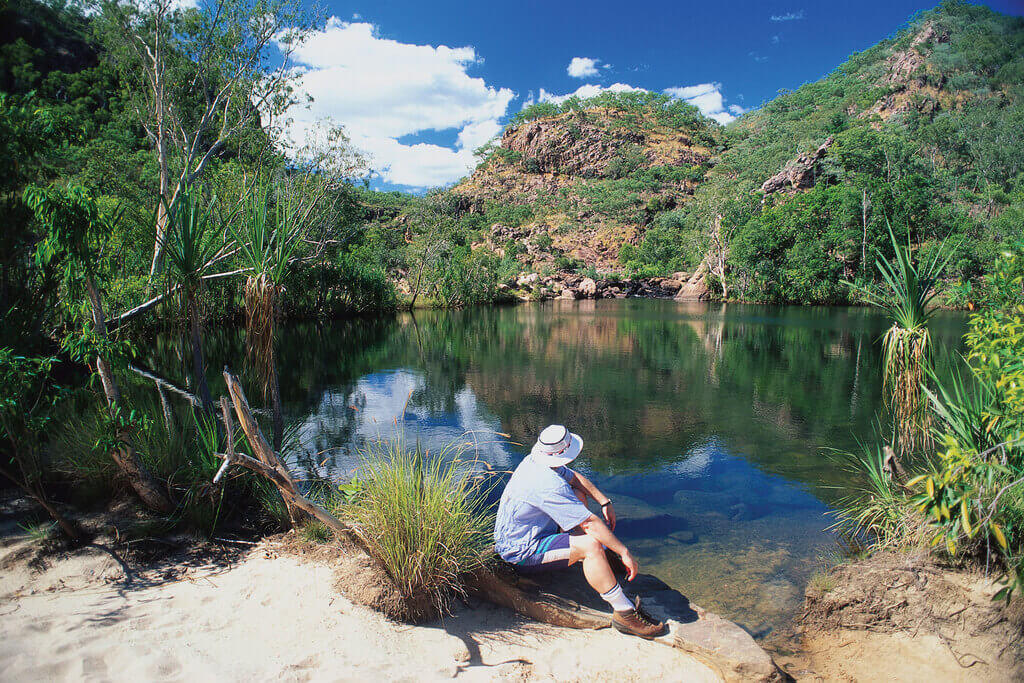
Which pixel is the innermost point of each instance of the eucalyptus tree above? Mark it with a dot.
(202, 79)
(73, 230)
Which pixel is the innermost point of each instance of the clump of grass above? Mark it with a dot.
(822, 581)
(879, 513)
(425, 517)
(38, 531)
(315, 531)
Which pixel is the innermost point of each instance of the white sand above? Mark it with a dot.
(278, 618)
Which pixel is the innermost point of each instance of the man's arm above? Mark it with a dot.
(595, 527)
(587, 488)
(581, 483)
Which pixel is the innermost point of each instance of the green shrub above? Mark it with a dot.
(543, 241)
(974, 494)
(531, 165)
(424, 517)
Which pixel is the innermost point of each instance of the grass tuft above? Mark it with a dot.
(822, 581)
(315, 531)
(425, 517)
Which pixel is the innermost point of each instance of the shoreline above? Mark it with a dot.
(178, 607)
(270, 613)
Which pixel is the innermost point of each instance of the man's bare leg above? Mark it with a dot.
(590, 551)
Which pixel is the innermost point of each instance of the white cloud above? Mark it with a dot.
(788, 16)
(381, 90)
(585, 91)
(583, 67)
(479, 133)
(709, 99)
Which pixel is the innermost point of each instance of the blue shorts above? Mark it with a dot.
(552, 552)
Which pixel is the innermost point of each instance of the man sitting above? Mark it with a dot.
(543, 523)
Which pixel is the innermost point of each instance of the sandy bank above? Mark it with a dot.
(904, 617)
(269, 616)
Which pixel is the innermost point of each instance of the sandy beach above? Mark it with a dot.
(270, 615)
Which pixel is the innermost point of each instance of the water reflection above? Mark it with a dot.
(704, 423)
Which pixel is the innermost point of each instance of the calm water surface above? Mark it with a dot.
(706, 424)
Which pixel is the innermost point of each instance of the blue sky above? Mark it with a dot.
(419, 85)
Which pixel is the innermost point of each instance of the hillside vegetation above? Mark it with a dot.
(924, 132)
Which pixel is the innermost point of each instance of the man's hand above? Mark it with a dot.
(631, 566)
(609, 515)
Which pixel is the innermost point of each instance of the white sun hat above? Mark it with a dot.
(556, 446)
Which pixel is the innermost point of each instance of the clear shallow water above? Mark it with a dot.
(704, 423)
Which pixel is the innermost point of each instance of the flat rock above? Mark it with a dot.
(565, 598)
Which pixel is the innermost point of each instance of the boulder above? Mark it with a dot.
(799, 174)
(568, 293)
(671, 285)
(588, 287)
(527, 279)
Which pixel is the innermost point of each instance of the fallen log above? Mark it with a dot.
(262, 448)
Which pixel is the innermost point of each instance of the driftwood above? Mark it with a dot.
(549, 609)
(271, 467)
(262, 449)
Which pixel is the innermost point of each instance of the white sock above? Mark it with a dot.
(617, 599)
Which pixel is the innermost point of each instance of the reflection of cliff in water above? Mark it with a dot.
(645, 382)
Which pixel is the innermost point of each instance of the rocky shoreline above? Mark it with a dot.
(681, 286)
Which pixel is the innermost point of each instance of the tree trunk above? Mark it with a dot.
(139, 477)
(35, 492)
(264, 453)
(160, 106)
(718, 244)
(275, 401)
(864, 239)
(198, 359)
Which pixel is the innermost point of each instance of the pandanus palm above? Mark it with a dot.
(906, 345)
(192, 243)
(267, 237)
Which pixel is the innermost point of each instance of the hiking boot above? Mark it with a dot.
(636, 622)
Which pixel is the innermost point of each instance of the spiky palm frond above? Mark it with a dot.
(906, 346)
(268, 235)
(194, 237)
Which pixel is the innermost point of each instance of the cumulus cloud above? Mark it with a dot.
(381, 90)
(585, 91)
(583, 67)
(788, 16)
(709, 99)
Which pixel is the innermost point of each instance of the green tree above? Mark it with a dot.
(74, 228)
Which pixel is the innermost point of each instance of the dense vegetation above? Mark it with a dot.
(965, 501)
(147, 189)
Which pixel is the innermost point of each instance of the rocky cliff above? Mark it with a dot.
(571, 189)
